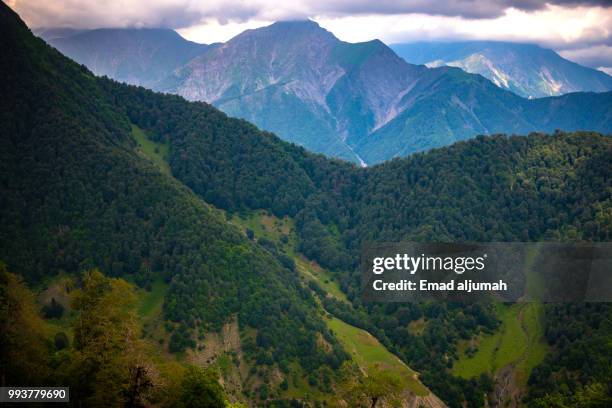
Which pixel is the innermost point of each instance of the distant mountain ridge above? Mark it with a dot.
(298, 80)
(139, 56)
(525, 69)
(357, 101)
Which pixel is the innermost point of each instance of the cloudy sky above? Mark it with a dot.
(580, 30)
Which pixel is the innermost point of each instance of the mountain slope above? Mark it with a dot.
(298, 80)
(136, 56)
(498, 188)
(525, 69)
(76, 194)
(467, 106)
(360, 102)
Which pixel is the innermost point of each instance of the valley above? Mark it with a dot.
(365, 350)
(158, 252)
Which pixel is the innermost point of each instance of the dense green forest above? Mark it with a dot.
(498, 188)
(76, 195)
(114, 369)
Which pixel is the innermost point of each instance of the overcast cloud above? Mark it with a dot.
(579, 30)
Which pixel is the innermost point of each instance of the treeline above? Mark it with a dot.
(100, 356)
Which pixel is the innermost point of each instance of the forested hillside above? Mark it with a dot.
(550, 188)
(76, 194)
(357, 101)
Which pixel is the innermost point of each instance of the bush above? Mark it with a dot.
(53, 310)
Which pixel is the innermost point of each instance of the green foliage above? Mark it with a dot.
(23, 349)
(76, 194)
(577, 372)
(200, 389)
(80, 195)
(107, 365)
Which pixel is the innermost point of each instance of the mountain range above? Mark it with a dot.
(245, 250)
(136, 56)
(525, 69)
(357, 101)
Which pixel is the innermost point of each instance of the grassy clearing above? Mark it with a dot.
(417, 327)
(513, 340)
(312, 271)
(269, 227)
(149, 307)
(151, 302)
(156, 152)
(368, 353)
(533, 321)
(365, 349)
(494, 350)
(57, 287)
(519, 341)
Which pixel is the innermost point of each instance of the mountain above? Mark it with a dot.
(52, 33)
(136, 56)
(360, 102)
(77, 193)
(525, 69)
(465, 105)
(251, 244)
(299, 81)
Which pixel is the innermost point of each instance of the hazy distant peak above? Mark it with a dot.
(52, 33)
(305, 23)
(523, 68)
(289, 31)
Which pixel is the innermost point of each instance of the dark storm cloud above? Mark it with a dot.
(592, 47)
(185, 13)
(471, 9)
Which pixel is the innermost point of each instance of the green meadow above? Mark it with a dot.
(519, 341)
(156, 152)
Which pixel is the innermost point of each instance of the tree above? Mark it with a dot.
(53, 310)
(23, 352)
(200, 388)
(108, 366)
